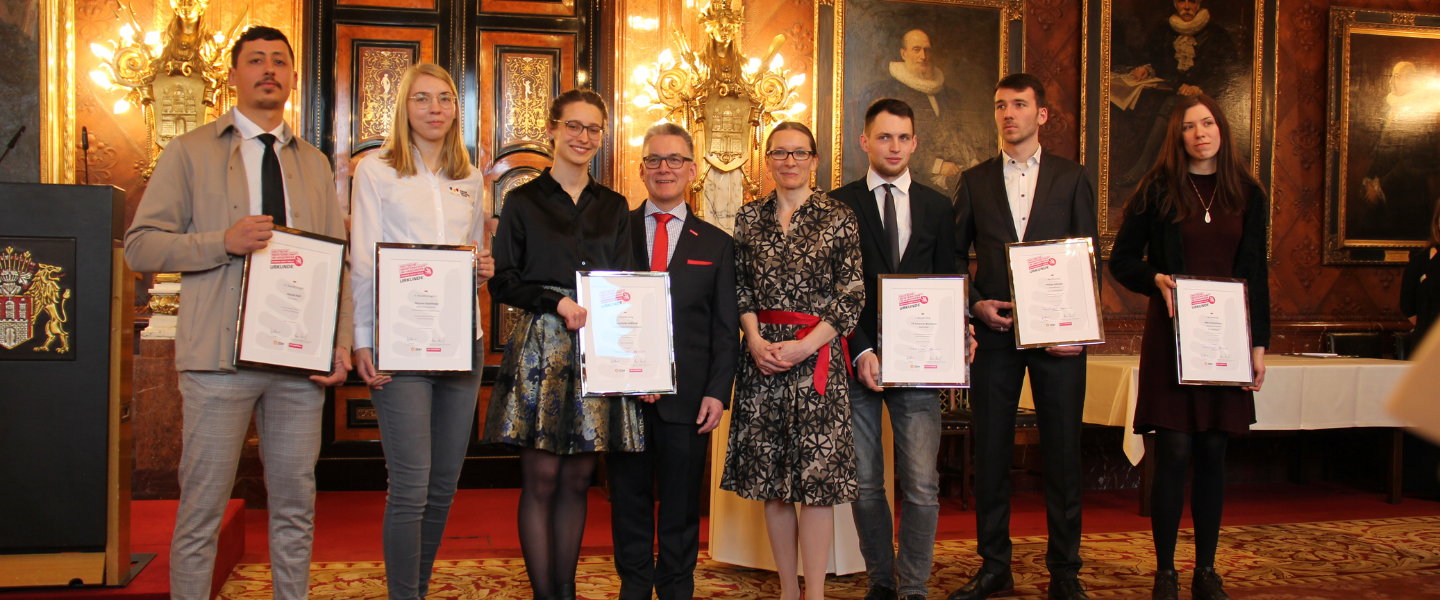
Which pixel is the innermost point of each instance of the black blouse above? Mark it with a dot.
(545, 237)
(1148, 244)
(1421, 299)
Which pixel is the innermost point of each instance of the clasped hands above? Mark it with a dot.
(772, 358)
(988, 311)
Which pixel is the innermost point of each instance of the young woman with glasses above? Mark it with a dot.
(561, 222)
(798, 269)
(420, 189)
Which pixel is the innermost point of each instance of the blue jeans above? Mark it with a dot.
(425, 424)
(915, 423)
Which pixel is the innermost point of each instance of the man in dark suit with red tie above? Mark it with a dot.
(701, 261)
(1024, 194)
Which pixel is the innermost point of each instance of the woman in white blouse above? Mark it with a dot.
(421, 189)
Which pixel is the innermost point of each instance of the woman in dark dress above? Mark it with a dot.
(557, 224)
(1198, 212)
(800, 291)
(1420, 286)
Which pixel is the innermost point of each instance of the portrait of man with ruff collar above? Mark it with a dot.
(941, 60)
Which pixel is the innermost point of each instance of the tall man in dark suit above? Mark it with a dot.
(905, 227)
(701, 261)
(1023, 194)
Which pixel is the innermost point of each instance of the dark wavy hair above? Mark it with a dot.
(258, 32)
(1172, 169)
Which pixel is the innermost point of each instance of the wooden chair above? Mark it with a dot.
(1362, 344)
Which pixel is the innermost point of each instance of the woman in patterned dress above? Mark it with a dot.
(798, 267)
(557, 224)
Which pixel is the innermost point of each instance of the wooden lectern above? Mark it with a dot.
(65, 364)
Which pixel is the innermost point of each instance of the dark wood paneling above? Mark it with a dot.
(410, 4)
(559, 8)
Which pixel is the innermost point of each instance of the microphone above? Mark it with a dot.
(85, 151)
(11, 145)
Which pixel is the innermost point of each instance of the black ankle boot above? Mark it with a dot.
(1167, 586)
(1207, 585)
(565, 591)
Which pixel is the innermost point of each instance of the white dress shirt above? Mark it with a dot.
(901, 193)
(1020, 187)
(252, 152)
(427, 208)
(672, 229)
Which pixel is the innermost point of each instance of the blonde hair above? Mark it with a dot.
(398, 152)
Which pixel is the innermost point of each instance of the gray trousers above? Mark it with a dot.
(425, 425)
(218, 407)
(915, 424)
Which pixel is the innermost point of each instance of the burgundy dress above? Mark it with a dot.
(1162, 402)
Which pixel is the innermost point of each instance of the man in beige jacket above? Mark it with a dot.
(216, 195)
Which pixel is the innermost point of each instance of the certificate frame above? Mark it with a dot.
(390, 364)
(593, 382)
(1185, 287)
(249, 353)
(958, 285)
(1023, 305)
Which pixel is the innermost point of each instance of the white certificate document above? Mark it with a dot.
(424, 308)
(1212, 331)
(1056, 293)
(289, 303)
(921, 325)
(627, 344)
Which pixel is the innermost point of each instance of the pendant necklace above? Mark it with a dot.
(1202, 200)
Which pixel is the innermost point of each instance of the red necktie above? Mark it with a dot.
(659, 254)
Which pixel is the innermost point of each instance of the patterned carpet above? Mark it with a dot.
(1389, 558)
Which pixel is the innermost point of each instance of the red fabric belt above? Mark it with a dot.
(810, 322)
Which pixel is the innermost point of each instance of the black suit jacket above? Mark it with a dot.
(1148, 244)
(931, 249)
(706, 318)
(1063, 207)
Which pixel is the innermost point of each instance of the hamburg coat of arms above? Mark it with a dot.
(31, 297)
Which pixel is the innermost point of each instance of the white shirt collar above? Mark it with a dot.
(679, 212)
(1032, 161)
(874, 180)
(248, 129)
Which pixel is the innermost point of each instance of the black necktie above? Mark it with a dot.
(892, 228)
(272, 187)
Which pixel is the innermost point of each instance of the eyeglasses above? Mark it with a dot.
(424, 100)
(575, 127)
(781, 155)
(673, 161)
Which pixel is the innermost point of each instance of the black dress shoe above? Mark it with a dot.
(880, 592)
(1207, 585)
(914, 597)
(1167, 586)
(565, 591)
(985, 585)
(1067, 589)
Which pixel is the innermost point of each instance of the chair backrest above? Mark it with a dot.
(1362, 344)
(1404, 342)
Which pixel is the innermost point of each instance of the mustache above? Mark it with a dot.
(267, 80)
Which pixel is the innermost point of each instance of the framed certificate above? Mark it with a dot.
(1212, 331)
(922, 331)
(1056, 292)
(627, 346)
(424, 308)
(289, 303)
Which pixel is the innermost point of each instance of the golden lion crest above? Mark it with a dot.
(29, 290)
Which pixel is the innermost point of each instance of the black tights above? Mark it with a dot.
(552, 515)
(1173, 450)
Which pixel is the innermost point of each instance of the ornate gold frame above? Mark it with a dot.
(1012, 57)
(1340, 250)
(57, 91)
(1095, 152)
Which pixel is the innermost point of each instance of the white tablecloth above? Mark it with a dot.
(1299, 393)
(737, 525)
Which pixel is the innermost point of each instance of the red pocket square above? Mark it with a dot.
(698, 262)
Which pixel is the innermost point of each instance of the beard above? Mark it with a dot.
(885, 170)
(1020, 134)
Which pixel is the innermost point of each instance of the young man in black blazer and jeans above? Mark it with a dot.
(1023, 194)
(906, 228)
(701, 261)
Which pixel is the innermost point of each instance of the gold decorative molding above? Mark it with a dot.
(57, 91)
(526, 83)
(380, 72)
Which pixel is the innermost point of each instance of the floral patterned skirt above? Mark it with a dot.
(537, 401)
